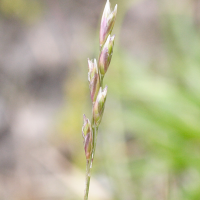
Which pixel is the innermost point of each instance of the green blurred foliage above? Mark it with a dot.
(25, 10)
(149, 138)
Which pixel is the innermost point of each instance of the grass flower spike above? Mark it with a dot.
(93, 78)
(107, 22)
(98, 94)
(106, 55)
(99, 106)
(87, 135)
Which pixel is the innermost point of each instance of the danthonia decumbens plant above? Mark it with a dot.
(97, 71)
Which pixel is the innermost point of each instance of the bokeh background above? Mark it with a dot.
(149, 140)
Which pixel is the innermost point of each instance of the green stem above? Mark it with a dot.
(87, 181)
(101, 82)
(95, 140)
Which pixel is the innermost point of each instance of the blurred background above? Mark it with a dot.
(148, 145)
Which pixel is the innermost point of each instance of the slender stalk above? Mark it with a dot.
(101, 81)
(87, 181)
(95, 141)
